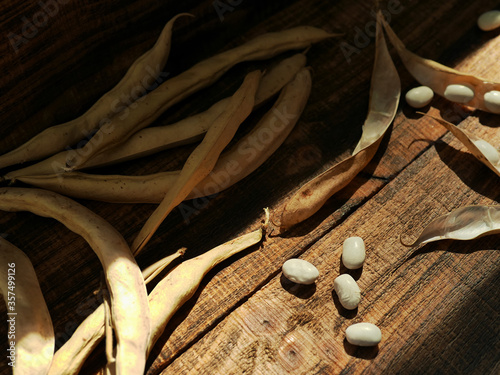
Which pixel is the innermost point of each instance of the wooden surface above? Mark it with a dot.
(437, 307)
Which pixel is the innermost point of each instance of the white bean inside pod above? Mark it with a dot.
(363, 334)
(353, 253)
(459, 93)
(348, 291)
(419, 97)
(300, 271)
(492, 101)
(489, 20)
(488, 150)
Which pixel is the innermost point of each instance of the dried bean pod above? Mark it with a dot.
(56, 138)
(130, 310)
(233, 165)
(34, 333)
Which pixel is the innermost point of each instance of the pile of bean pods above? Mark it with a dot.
(130, 320)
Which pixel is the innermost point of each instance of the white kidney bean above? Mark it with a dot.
(490, 152)
(363, 334)
(492, 101)
(419, 97)
(489, 20)
(353, 253)
(459, 93)
(348, 291)
(300, 271)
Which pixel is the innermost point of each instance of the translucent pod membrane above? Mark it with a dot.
(489, 20)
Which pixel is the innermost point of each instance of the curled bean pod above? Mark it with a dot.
(240, 160)
(70, 357)
(195, 78)
(29, 315)
(464, 223)
(130, 310)
(157, 138)
(385, 91)
(56, 138)
(456, 86)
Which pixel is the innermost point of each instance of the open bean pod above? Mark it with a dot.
(481, 149)
(385, 92)
(456, 86)
(465, 223)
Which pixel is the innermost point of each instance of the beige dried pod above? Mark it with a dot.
(30, 334)
(385, 92)
(449, 83)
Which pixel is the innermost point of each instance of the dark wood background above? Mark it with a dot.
(437, 306)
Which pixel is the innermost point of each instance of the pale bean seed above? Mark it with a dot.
(419, 97)
(452, 84)
(348, 291)
(490, 152)
(489, 20)
(353, 253)
(459, 93)
(492, 101)
(300, 271)
(363, 334)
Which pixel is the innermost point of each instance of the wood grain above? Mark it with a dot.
(245, 318)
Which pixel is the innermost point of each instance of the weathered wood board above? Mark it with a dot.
(437, 307)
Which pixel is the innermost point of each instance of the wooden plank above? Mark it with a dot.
(86, 48)
(435, 306)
